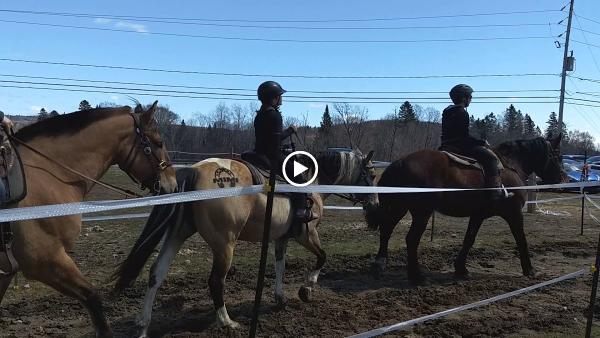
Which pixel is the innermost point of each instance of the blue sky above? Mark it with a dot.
(139, 49)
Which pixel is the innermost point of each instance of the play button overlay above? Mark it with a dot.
(297, 166)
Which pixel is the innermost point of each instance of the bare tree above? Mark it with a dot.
(353, 119)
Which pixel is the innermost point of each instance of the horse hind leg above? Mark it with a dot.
(174, 239)
(280, 248)
(222, 257)
(4, 284)
(413, 238)
(310, 240)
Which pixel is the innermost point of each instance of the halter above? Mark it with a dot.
(363, 176)
(148, 148)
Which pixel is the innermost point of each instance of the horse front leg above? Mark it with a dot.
(515, 222)
(420, 219)
(386, 229)
(460, 268)
(280, 248)
(309, 238)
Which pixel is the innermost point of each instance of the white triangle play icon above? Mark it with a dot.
(299, 168)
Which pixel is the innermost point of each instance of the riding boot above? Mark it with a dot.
(302, 212)
(495, 182)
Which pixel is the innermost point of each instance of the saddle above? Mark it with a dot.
(259, 167)
(13, 179)
(468, 161)
(11, 173)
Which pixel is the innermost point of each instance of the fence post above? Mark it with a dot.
(582, 209)
(263, 254)
(588, 328)
(531, 195)
(432, 225)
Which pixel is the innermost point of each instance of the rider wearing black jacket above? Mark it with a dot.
(456, 137)
(269, 134)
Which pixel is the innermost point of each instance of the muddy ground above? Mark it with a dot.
(348, 300)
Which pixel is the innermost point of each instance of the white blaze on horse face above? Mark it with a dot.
(221, 162)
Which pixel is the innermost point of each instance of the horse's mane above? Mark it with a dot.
(521, 150)
(68, 123)
(339, 163)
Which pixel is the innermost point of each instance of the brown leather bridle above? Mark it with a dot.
(149, 150)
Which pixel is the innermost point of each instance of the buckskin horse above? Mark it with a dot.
(434, 169)
(87, 142)
(223, 222)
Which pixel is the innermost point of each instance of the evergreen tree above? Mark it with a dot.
(513, 122)
(407, 113)
(529, 127)
(43, 114)
(326, 122)
(84, 105)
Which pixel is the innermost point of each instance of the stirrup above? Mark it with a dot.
(507, 194)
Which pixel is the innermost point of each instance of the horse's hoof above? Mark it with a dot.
(461, 272)
(416, 278)
(531, 273)
(280, 301)
(305, 294)
(231, 324)
(376, 270)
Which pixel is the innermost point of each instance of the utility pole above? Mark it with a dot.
(564, 69)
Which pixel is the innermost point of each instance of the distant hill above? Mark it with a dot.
(22, 120)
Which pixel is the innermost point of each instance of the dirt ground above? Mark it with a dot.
(348, 300)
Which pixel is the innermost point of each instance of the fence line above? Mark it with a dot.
(55, 210)
(406, 324)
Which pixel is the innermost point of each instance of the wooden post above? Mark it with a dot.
(263, 254)
(531, 195)
(432, 225)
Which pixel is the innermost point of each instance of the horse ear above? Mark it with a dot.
(369, 156)
(555, 142)
(149, 114)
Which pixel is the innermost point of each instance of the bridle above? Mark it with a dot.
(148, 149)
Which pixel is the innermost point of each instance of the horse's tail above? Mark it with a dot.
(161, 218)
(378, 215)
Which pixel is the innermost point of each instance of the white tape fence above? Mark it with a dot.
(55, 210)
(407, 324)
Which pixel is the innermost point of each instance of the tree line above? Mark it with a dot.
(408, 128)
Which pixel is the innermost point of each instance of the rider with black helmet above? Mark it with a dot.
(455, 137)
(269, 134)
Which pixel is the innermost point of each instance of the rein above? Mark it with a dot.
(126, 192)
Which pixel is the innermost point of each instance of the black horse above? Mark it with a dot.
(434, 169)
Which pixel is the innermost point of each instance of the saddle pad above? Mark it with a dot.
(467, 161)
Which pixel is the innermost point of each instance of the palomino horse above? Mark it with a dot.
(222, 222)
(88, 142)
(433, 169)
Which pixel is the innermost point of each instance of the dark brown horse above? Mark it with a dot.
(433, 169)
(88, 142)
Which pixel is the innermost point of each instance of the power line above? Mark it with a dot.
(592, 116)
(239, 38)
(131, 17)
(253, 95)
(586, 43)
(586, 40)
(254, 90)
(584, 79)
(249, 99)
(177, 71)
(588, 19)
(207, 24)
